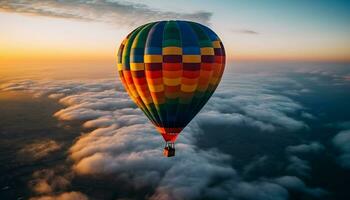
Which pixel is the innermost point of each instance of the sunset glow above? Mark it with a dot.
(29, 39)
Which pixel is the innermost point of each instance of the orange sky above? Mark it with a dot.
(32, 40)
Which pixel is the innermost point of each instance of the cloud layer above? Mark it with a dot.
(119, 141)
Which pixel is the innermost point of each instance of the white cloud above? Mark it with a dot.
(295, 184)
(48, 181)
(103, 121)
(312, 147)
(39, 149)
(307, 115)
(217, 118)
(257, 163)
(244, 99)
(114, 12)
(124, 145)
(299, 166)
(342, 142)
(75, 113)
(260, 191)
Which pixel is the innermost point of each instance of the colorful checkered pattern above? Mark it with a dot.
(171, 69)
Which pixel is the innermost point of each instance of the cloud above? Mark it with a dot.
(260, 191)
(125, 143)
(257, 163)
(104, 121)
(48, 181)
(295, 184)
(17, 85)
(299, 166)
(79, 113)
(342, 142)
(114, 12)
(55, 96)
(242, 102)
(297, 92)
(135, 150)
(290, 183)
(54, 184)
(39, 150)
(64, 196)
(217, 118)
(313, 147)
(120, 143)
(307, 115)
(243, 99)
(245, 31)
(117, 146)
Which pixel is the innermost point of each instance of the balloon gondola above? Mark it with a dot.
(170, 69)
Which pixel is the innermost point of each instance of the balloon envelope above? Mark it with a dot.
(170, 69)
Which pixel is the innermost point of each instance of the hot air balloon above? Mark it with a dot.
(170, 69)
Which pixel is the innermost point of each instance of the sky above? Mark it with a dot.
(87, 33)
